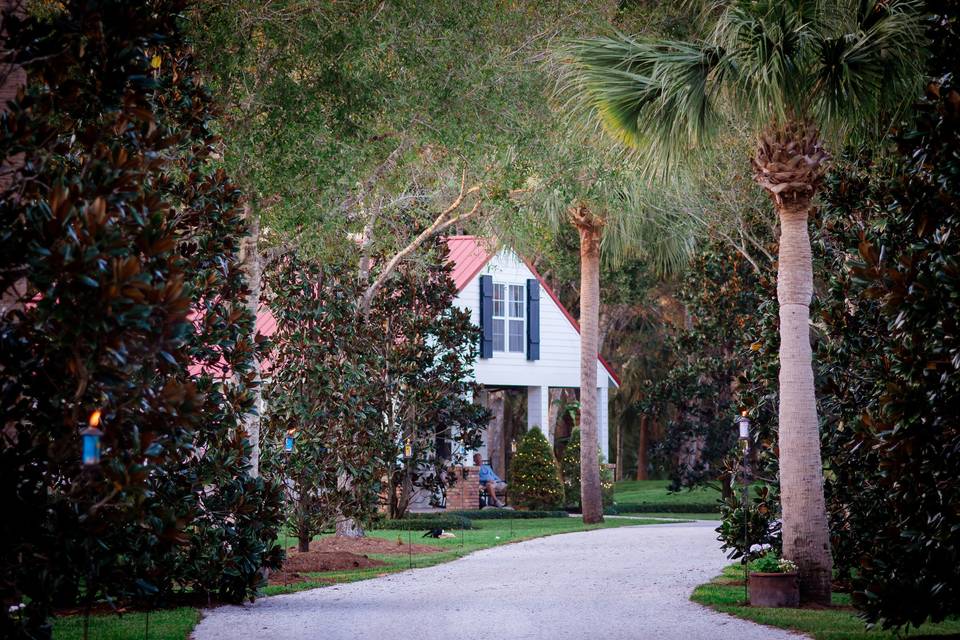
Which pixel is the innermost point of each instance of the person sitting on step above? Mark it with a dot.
(490, 481)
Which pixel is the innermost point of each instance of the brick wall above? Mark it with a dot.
(466, 493)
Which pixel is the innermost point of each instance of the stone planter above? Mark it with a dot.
(774, 590)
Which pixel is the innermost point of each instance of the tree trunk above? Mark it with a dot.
(591, 496)
(347, 527)
(250, 259)
(642, 460)
(806, 538)
(303, 542)
(618, 470)
(726, 486)
(554, 396)
(496, 447)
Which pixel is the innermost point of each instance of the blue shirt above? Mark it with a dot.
(487, 474)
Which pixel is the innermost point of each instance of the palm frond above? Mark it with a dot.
(868, 63)
(655, 96)
(647, 222)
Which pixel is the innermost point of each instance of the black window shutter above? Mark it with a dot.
(486, 316)
(533, 319)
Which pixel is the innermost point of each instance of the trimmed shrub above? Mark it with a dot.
(425, 522)
(570, 472)
(633, 507)
(508, 514)
(536, 479)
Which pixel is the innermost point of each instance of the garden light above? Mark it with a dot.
(288, 441)
(407, 449)
(91, 440)
(744, 423)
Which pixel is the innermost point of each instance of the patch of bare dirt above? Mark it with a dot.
(369, 544)
(298, 564)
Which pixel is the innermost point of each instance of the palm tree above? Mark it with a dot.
(598, 192)
(803, 75)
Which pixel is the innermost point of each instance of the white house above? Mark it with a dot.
(530, 341)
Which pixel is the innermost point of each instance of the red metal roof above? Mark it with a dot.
(469, 254)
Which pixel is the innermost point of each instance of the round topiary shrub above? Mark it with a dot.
(570, 474)
(535, 479)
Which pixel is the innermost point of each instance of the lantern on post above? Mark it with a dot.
(743, 423)
(91, 440)
(407, 449)
(288, 441)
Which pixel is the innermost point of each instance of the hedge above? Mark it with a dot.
(508, 514)
(643, 507)
(425, 522)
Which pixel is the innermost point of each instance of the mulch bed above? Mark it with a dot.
(369, 544)
(298, 564)
(339, 554)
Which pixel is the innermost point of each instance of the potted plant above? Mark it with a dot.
(773, 582)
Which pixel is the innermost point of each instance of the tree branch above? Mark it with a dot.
(440, 223)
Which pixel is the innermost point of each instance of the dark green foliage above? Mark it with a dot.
(894, 436)
(324, 389)
(427, 348)
(535, 479)
(763, 522)
(570, 471)
(508, 514)
(719, 292)
(570, 475)
(631, 507)
(767, 563)
(425, 522)
(121, 290)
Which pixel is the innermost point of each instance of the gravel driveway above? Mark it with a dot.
(628, 582)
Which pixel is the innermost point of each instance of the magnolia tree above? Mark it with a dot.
(114, 235)
(427, 348)
(323, 394)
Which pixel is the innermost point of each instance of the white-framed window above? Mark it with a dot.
(517, 315)
(499, 316)
(509, 312)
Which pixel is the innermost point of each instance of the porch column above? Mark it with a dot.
(538, 405)
(603, 422)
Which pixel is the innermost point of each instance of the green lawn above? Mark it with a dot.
(654, 492)
(822, 624)
(176, 624)
(165, 624)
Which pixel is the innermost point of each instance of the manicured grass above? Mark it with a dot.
(485, 534)
(164, 624)
(654, 492)
(725, 593)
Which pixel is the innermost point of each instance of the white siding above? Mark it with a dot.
(559, 363)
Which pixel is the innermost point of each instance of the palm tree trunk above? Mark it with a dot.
(806, 537)
(591, 497)
(642, 450)
(618, 470)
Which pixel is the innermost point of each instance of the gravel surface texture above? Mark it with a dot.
(623, 583)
